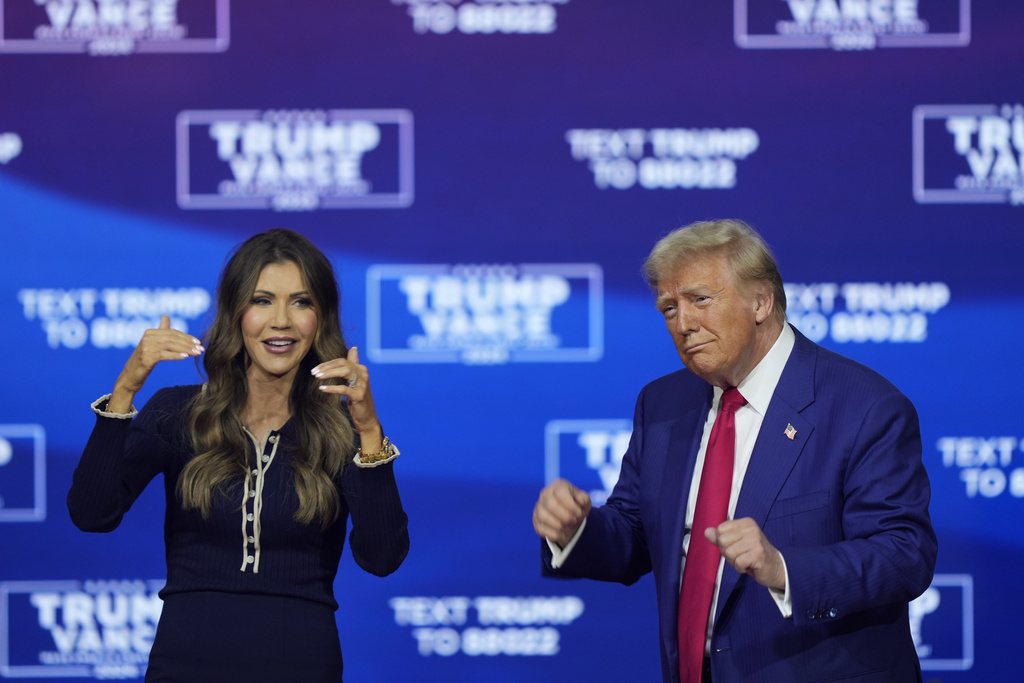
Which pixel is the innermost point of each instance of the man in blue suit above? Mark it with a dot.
(827, 536)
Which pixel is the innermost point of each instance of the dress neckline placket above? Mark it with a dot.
(252, 493)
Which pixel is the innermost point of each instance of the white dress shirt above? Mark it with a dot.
(757, 387)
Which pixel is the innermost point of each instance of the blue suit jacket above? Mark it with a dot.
(845, 501)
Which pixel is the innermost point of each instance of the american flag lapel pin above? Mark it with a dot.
(790, 431)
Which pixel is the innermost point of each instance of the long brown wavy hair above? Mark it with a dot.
(326, 438)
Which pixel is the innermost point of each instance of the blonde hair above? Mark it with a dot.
(748, 255)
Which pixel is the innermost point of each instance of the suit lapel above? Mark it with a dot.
(777, 447)
(684, 442)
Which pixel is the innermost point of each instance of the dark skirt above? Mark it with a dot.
(212, 637)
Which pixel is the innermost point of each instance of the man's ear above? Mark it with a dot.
(764, 302)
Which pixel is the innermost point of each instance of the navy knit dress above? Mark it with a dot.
(249, 593)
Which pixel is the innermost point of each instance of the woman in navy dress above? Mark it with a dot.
(263, 465)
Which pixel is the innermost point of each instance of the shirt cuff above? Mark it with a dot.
(393, 453)
(99, 407)
(560, 555)
(783, 599)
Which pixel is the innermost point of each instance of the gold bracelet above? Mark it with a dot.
(384, 453)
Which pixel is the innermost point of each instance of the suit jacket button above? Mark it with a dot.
(833, 612)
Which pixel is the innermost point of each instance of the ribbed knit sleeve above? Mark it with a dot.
(121, 457)
(380, 534)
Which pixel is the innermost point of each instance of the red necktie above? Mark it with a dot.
(702, 557)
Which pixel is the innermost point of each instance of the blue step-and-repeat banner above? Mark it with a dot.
(487, 176)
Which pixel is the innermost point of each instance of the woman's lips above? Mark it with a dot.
(278, 345)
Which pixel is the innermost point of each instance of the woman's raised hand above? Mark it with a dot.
(360, 399)
(157, 345)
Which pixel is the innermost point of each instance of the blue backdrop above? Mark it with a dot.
(487, 177)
